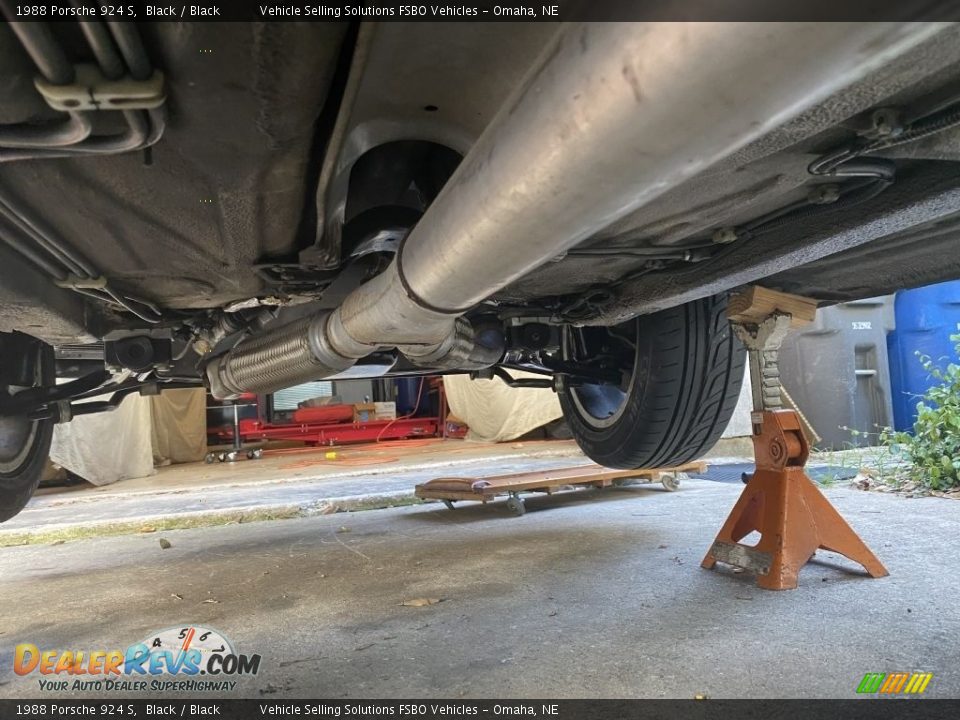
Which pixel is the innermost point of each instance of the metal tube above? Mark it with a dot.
(75, 129)
(131, 48)
(288, 355)
(37, 39)
(614, 115)
(137, 136)
(101, 44)
(71, 139)
(75, 264)
(33, 255)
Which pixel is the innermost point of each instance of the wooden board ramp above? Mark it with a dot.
(485, 489)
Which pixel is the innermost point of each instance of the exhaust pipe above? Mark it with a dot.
(614, 115)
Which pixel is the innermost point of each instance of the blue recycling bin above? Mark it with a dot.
(925, 319)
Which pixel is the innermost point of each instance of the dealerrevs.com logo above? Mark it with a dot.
(181, 659)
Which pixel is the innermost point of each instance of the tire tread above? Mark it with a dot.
(695, 386)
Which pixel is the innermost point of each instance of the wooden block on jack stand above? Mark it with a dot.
(756, 304)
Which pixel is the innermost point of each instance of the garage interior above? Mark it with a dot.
(388, 360)
(318, 550)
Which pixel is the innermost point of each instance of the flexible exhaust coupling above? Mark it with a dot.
(295, 353)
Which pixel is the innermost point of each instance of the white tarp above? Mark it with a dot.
(126, 443)
(496, 412)
(105, 447)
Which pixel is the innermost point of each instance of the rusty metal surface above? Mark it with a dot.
(741, 556)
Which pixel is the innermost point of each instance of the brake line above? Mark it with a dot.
(75, 271)
(71, 138)
(63, 264)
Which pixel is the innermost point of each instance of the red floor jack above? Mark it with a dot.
(780, 502)
(235, 453)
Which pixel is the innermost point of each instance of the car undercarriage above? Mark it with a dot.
(249, 206)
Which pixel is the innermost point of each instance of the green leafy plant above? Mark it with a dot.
(934, 445)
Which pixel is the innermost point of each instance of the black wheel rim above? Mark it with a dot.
(599, 405)
(17, 438)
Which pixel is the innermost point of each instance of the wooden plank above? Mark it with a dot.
(756, 303)
(443, 488)
(427, 494)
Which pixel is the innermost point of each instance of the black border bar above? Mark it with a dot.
(270, 708)
(484, 10)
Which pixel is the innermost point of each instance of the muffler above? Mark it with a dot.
(614, 115)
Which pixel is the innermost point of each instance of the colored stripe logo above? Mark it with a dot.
(894, 683)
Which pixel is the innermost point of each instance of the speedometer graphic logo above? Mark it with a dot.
(197, 642)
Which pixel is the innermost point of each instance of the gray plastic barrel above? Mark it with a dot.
(836, 370)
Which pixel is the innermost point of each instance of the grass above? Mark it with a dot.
(189, 522)
(381, 503)
(878, 467)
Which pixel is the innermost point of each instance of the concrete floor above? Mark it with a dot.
(590, 594)
(302, 479)
(289, 481)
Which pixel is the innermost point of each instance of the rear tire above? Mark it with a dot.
(24, 443)
(677, 397)
(24, 449)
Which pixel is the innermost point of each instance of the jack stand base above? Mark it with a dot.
(793, 517)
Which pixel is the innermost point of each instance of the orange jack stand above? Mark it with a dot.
(780, 502)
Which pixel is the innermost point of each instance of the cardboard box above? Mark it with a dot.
(385, 410)
(364, 412)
